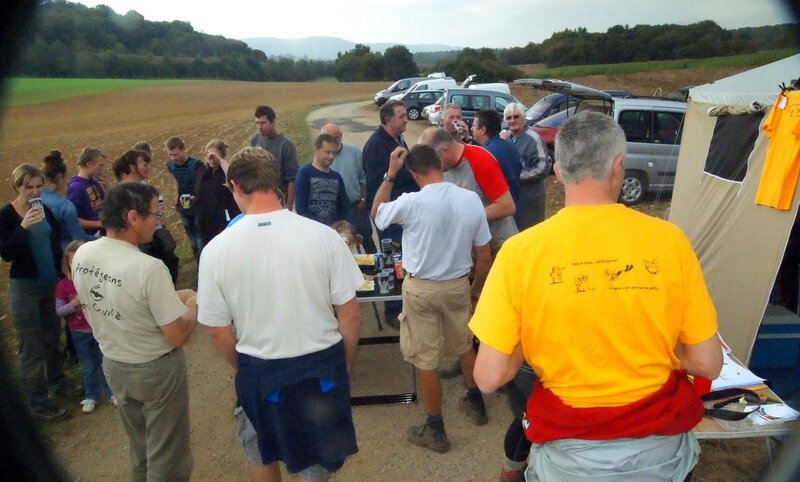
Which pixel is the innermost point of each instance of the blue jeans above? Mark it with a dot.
(91, 364)
(190, 226)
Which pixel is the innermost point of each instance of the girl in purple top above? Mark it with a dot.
(86, 190)
(68, 306)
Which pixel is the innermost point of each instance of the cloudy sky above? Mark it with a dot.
(462, 23)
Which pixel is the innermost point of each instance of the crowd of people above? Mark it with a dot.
(591, 319)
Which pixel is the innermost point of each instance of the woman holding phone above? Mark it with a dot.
(29, 239)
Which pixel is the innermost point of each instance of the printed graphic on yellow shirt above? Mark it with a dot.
(614, 273)
(582, 284)
(651, 265)
(557, 275)
(611, 274)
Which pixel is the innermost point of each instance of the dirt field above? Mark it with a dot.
(94, 448)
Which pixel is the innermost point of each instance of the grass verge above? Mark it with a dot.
(30, 91)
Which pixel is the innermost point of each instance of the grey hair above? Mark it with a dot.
(452, 105)
(586, 145)
(514, 108)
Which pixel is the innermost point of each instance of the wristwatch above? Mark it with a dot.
(387, 178)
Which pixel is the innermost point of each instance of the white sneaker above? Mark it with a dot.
(88, 405)
(113, 400)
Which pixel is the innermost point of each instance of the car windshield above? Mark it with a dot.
(542, 105)
(555, 120)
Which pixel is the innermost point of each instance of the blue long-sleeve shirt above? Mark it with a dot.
(67, 217)
(321, 196)
(508, 157)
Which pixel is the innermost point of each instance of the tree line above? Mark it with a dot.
(72, 40)
(623, 43)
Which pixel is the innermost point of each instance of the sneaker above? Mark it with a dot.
(51, 414)
(511, 475)
(424, 436)
(88, 405)
(476, 410)
(113, 400)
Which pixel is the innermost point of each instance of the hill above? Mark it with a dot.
(326, 48)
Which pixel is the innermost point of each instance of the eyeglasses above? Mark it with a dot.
(515, 116)
(157, 215)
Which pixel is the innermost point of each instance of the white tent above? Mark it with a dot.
(740, 244)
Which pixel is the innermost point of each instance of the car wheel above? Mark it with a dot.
(412, 113)
(634, 187)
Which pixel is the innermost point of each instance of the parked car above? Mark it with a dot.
(652, 126)
(434, 111)
(417, 100)
(471, 101)
(552, 104)
(429, 84)
(399, 87)
(549, 105)
(547, 128)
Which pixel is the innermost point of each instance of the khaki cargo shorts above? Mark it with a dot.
(434, 320)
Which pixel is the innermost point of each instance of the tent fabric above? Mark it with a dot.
(739, 244)
(757, 85)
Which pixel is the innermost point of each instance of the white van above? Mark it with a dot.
(428, 84)
(494, 86)
(401, 87)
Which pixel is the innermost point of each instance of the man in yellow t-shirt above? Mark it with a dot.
(607, 305)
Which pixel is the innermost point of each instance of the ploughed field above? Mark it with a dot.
(94, 447)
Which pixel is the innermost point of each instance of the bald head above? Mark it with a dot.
(435, 137)
(448, 149)
(331, 129)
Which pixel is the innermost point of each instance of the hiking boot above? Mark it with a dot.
(511, 475)
(424, 436)
(476, 410)
(51, 414)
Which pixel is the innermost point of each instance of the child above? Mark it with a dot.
(348, 233)
(68, 305)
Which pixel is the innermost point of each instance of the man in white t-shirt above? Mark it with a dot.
(140, 323)
(437, 291)
(278, 294)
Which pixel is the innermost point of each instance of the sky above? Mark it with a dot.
(458, 23)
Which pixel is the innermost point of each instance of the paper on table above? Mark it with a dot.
(733, 375)
(774, 413)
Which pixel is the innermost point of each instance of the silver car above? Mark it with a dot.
(653, 128)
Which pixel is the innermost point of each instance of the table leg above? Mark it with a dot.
(377, 316)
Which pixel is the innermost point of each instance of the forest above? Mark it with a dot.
(72, 40)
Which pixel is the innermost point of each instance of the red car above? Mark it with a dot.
(547, 128)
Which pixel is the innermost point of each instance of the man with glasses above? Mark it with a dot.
(347, 162)
(141, 323)
(535, 166)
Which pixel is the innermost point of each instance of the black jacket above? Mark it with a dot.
(14, 245)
